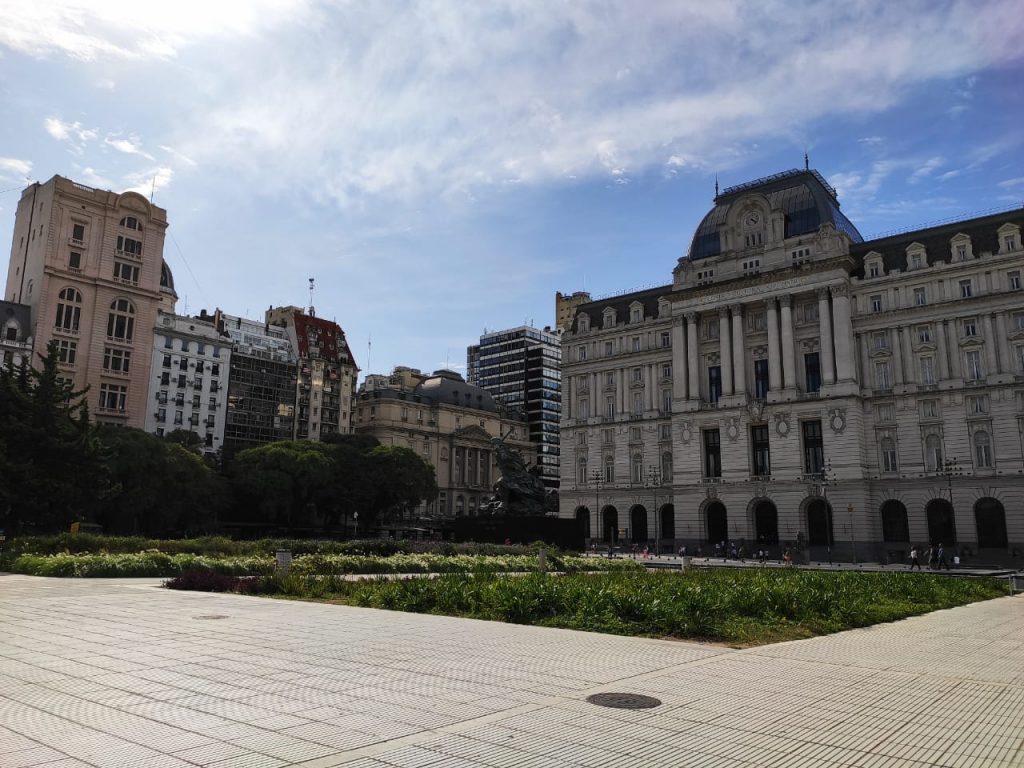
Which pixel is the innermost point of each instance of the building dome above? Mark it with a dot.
(804, 197)
(449, 387)
(166, 277)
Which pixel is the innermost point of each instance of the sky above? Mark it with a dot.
(443, 167)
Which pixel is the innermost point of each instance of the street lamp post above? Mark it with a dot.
(853, 540)
(828, 477)
(355, 525)
(950, 467)
(595, 478)
(653, 481)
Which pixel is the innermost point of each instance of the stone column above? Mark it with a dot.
(867, 376)
(828, 361)
(1005, 357)
(956, 364)
(907, 352)
(649, 385)
(568, 404)
(896, 344)
(843, 333)
(990, 345)
(739, 351)
(678, 359)
(621, 392)
(940, 350)
(725, 345)
(788, 348)
(774, 352)
(693, 369)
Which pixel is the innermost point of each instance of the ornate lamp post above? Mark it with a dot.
(951, 468)
(828, 477)
(595, 478)
(853, 540)
(653, 481)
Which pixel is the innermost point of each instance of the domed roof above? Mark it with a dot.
(805, 198)
(449, 387)
(166, 277)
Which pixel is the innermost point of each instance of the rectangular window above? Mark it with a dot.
(75, 260)
(666, 339)
(966, 289)
(761, 453)
(961, 252)
(636, 343)
(711, 328)
(880, 340)
(607, 436)
(609, 407)
(165, 379)
(126, 273)
(608, 349)
(915, 261)
(812, 368)
(199, 366)
(183, 364)
(635, 315)
(66, 351)
(634, 435)
(714, 384)
(929, 409)
(666, 401)
(215, 367)
(638, 375)
(758, 321)
(581, 353)
(977, 405)
(78, 232)
(113, 397)
(666, 431)
(1020, 358)
(200, 348)
(920, 297)
(886, 413)
(167, 361)
(814, 449)
(638, 405)
(889, 463)
(181, 380)
(974, 369)
(924, 334)
(970, 327)
(873, 270)
(1010, 242)
(712, 453)
(117, 360)
(609, 380)
(581, 438)
(927, 370)
(883, 380)
(761, 379)
(179, 417)
(168, 342)
(876, 303)
(1013, 280)
(666, 371)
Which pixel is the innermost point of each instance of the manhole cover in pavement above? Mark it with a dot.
(210, 616)
(624, 700)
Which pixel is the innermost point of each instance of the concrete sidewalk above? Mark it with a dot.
(119, 673)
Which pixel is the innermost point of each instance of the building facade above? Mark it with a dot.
(448, 422)
(15, 334)
(520, 368)
(189, 377)
(261, 385)
(327, 372)
(565, 307)
(88, 263)
(797, 385)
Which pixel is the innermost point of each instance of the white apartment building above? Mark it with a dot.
(796, 385)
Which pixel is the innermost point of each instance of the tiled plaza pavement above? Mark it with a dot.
(121, 674)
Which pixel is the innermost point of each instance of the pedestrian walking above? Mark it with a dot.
(787, 558)
(941, 559)
(914, 559)
(931, 558)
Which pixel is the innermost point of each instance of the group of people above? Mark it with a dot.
(936, 556)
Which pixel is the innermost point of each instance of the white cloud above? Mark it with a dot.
(13, 169)
(1011, 183)
(149, 181)
(63, 131)
(130, 146)
(927, 169)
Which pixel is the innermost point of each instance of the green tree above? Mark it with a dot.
(50, 460)
(186, 438)
(402, 480)
(284, 482)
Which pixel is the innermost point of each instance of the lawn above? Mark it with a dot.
(738, 607)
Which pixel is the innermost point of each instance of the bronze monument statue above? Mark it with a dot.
(519, 491)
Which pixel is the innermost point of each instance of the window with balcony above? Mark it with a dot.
(637, 465)
(116, 360)
(712, 453)
(78, 233)
(128, 246)
(761, 451)
(69, 310)
(121, 320)
(814, 447)
(126, 273)
(113, 397)
(609, 469)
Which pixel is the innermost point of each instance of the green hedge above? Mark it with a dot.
(84, 543)
(163, 564)
(732, 605)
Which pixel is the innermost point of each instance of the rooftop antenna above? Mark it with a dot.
(716, 186)
(369, 346)
(152, 190)
(312, 311)
(807, 161)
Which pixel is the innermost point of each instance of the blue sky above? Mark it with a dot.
(443, 167)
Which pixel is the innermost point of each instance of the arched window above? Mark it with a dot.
(932, 453)
(130, 222)
(609, 469)
(889, 463)
(69, 310)
(121, 320)
(982, 450)
(638, 468)
(666, 467)
(581, 471)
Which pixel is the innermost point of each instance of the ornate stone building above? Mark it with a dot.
(795, 383)
(88, 262)
(450, 424)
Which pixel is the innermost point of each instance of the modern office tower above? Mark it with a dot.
(520, 367)
(798, 385)
(88, 263)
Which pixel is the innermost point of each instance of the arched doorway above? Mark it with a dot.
(718, 522)
(990, 520)
(766, 523)
(638, 524)
(610, 521)
(583, 517)
(668, 521)
(895, 527)
(819, 523)
(941, 525)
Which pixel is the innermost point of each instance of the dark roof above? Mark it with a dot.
(448, 387)
(595, 309)
(983, 232)
(166, 277)
(330, 338)
(804, 197)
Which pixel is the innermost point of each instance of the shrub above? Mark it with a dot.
(210, 581)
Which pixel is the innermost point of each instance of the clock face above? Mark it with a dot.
(752, 219)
